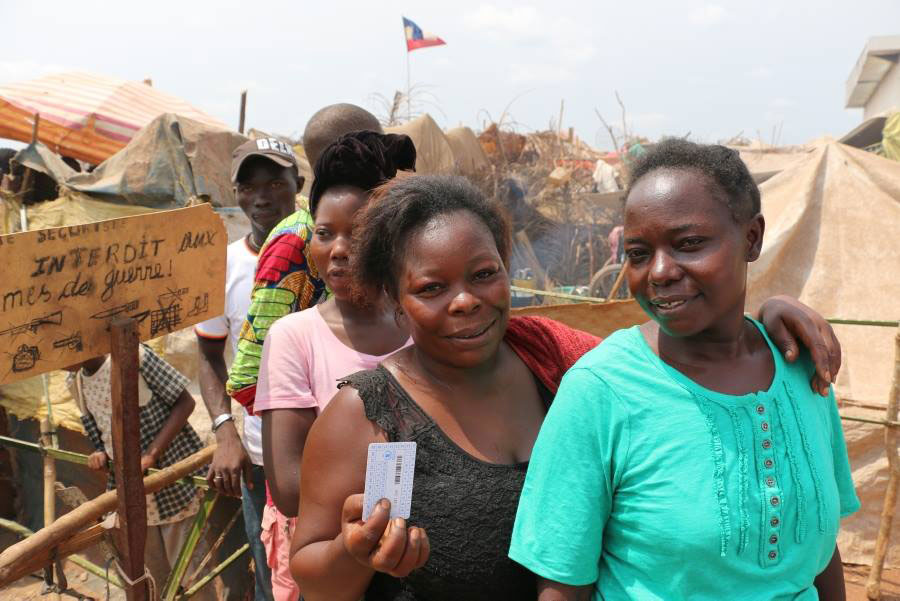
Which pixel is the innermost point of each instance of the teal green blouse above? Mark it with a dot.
(653, 487)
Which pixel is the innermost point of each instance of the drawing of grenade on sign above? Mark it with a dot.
(25, 358)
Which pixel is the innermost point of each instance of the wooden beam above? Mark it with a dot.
(35, 126)
(60, 534)
(131, 535)
(48, 555)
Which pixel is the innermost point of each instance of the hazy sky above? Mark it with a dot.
(709, 68)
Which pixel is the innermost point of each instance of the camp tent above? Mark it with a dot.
(467, 151)
(766, 161)
(832, 224)
(86, 116)
(433, 152)
(166, 163)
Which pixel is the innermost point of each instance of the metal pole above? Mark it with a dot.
(408, 90)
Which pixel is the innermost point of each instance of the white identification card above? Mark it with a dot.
(389, 475)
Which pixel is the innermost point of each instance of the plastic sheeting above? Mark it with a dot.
(890, 137)
(167, 163)
(86, 116)
(831, 240)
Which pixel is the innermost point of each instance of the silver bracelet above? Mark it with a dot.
(221, 419)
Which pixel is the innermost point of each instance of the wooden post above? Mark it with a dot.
(243, 111)
(28, 177)
(873, 585)
(34, 127)
(562, 106)
(131, 535)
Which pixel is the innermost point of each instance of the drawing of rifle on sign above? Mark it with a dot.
(62, 287)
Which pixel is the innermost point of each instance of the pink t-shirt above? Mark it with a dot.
(302, 361)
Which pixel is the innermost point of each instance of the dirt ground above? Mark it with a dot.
(29, 589)
(855, 577)
(82, 584)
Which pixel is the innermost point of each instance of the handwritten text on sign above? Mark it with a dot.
(62, 286)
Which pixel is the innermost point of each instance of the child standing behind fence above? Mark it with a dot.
(166, 437)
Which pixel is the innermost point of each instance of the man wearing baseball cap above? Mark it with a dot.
(266, 181)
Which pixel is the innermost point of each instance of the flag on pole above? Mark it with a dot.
(416, 38)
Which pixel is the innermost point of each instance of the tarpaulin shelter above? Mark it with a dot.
(832, 224)
(433, 152)
(85, 116)
(890, 141)
(468, 154)
(766, 161)
(166, 163)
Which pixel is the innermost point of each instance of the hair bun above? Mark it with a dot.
(364, 159)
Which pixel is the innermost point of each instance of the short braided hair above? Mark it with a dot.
(729, 176)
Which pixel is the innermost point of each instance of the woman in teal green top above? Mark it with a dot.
(684, 459)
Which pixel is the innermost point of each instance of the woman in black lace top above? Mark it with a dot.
(470, 398)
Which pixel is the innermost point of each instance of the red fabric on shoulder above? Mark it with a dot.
(549, 348)
(246, 396)
(277, 257)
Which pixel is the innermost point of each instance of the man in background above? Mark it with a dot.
(266, 180)
(286, 282)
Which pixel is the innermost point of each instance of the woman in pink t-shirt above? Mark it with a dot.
(306, 353)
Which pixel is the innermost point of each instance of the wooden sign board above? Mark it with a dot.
(62, 286)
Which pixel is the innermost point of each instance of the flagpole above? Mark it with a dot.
(408, 109)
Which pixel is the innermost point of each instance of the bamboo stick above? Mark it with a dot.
(82, 459)
(215, 572)
(618, 283)
(75, 520)
(49, 474)
(78, 560)
(46, 555)
(173, 583)
(882, 542)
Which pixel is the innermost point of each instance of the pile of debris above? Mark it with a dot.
(565, 198)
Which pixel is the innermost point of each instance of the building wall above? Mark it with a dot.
(887, 94)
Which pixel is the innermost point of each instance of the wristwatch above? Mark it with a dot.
(221, 419)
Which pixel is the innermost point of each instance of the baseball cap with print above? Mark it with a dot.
(272, 148)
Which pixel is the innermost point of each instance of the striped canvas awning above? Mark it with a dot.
(84, 116)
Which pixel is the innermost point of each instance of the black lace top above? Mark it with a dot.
(466, 505)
